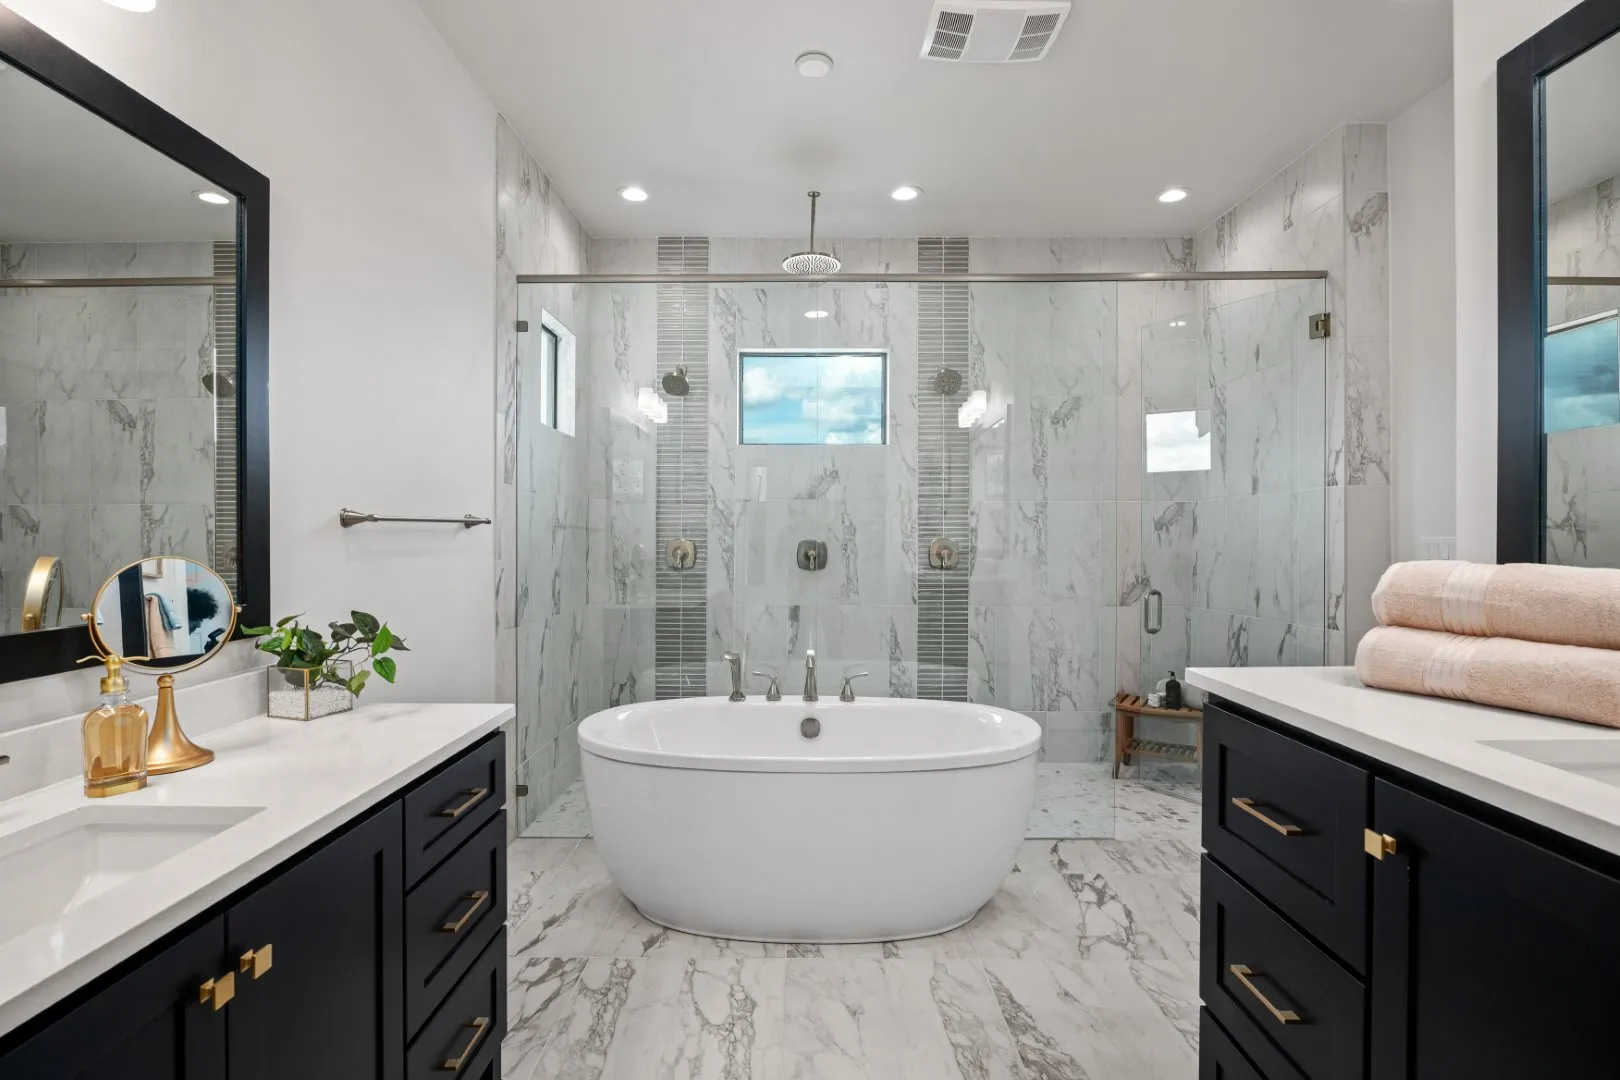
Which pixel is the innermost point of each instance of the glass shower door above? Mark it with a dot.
(1234, 496)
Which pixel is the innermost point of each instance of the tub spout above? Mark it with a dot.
(810, 675)
(736, 677)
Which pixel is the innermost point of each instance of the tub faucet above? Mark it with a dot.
(810, 675)
(736, 677)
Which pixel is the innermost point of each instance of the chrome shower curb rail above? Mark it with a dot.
(739, 279)
(111, 282)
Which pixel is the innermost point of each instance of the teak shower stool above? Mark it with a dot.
(1127, 707)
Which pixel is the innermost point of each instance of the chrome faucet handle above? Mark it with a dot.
(773, 691)
(848, 692)
(735, 660)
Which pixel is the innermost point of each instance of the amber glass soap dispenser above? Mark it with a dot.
(114, 737)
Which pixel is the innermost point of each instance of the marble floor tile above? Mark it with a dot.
(1083, 965)
(1088, 1020)
(902, 1019)
(715, 1019)
(568, 815)
(561, 912)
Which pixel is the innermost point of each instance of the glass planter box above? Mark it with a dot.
(292, 694)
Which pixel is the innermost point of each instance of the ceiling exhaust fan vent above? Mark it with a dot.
(993, 31)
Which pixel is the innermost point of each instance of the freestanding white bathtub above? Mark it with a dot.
(899, 820)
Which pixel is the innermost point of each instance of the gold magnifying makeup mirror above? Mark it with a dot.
(178, 613)
(42, 598)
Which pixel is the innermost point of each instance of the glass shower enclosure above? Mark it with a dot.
(1083, 448)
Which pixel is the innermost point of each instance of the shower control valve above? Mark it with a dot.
(812, 554)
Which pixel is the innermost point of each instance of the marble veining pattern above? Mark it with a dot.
(1084, 965)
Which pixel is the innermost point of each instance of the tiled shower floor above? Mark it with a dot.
(1073, 800)
(1084, 965)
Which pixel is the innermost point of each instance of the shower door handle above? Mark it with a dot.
(1153, 612)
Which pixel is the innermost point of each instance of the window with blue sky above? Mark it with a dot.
(814, 398)
(1581, 373)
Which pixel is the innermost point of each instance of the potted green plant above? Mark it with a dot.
(314, 677)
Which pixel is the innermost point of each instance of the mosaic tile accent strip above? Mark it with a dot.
(682, 611)
(942, 470)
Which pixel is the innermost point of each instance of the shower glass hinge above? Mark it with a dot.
(523, 326)
(522, 789)
(1321, 326)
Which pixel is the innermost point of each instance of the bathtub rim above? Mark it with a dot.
(1027, 745)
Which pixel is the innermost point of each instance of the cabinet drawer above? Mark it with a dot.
(452, 804)
(1219, 1058)
(449, 918)
(470, 1022)
(1273, 989)
(1288, 820)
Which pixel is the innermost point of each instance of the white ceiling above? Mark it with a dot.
(699, 102)
(68, 176)
(1583, 125)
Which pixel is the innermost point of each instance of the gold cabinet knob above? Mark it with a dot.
(218, 993)
(256, 962)
(1378, 844)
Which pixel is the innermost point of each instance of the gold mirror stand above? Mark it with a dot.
(168, 750)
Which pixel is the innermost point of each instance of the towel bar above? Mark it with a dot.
(350, 518)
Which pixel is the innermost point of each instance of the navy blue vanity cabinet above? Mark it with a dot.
(147, 1022)
(349, 961)
(319, 983)
(1360, 923)
(1493, 956)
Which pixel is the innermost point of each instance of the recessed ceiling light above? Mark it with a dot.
(813, 65)
(633, 194)
(133, 5)
(816, 314)
(213, 197)
(1173, 194)
(905, 192)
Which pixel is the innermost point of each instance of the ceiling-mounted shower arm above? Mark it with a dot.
(814, 195)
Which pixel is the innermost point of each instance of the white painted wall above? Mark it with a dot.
(1423, 321)
(380, 151)
(1482, 30)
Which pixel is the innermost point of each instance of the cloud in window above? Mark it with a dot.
(1178, 441)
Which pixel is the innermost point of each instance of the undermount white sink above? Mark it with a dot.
(1596, 759)
(53, 867)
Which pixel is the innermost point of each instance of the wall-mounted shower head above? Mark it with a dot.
(676, 384)
(947, 382)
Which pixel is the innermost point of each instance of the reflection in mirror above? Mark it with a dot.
(175, 612)
(118, 334)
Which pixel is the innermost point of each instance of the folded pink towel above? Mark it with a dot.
(1564, 605)
(1567, 681)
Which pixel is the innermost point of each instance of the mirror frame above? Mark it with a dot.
(1521, 261)
(35, 53)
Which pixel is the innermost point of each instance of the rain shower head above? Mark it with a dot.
(676, 383)
(812, 262)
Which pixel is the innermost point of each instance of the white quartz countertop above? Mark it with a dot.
(1452, 743)
(300, 780)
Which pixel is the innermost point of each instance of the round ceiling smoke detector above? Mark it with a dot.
(812, 263)
(814, 65)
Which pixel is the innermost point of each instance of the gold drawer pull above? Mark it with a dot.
(257, 961)
(1247, 806)
(479, 899)
(474, 797)
(218, 992)
(1284, 1016)
(1378, 844)
(480, 1027)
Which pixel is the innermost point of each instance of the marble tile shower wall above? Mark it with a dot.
(541, 510)
(1329, 209)
(108, 434)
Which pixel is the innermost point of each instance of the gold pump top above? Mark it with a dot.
(113, 682)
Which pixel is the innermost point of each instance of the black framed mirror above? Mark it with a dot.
(134, 333)
(1558, 189)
